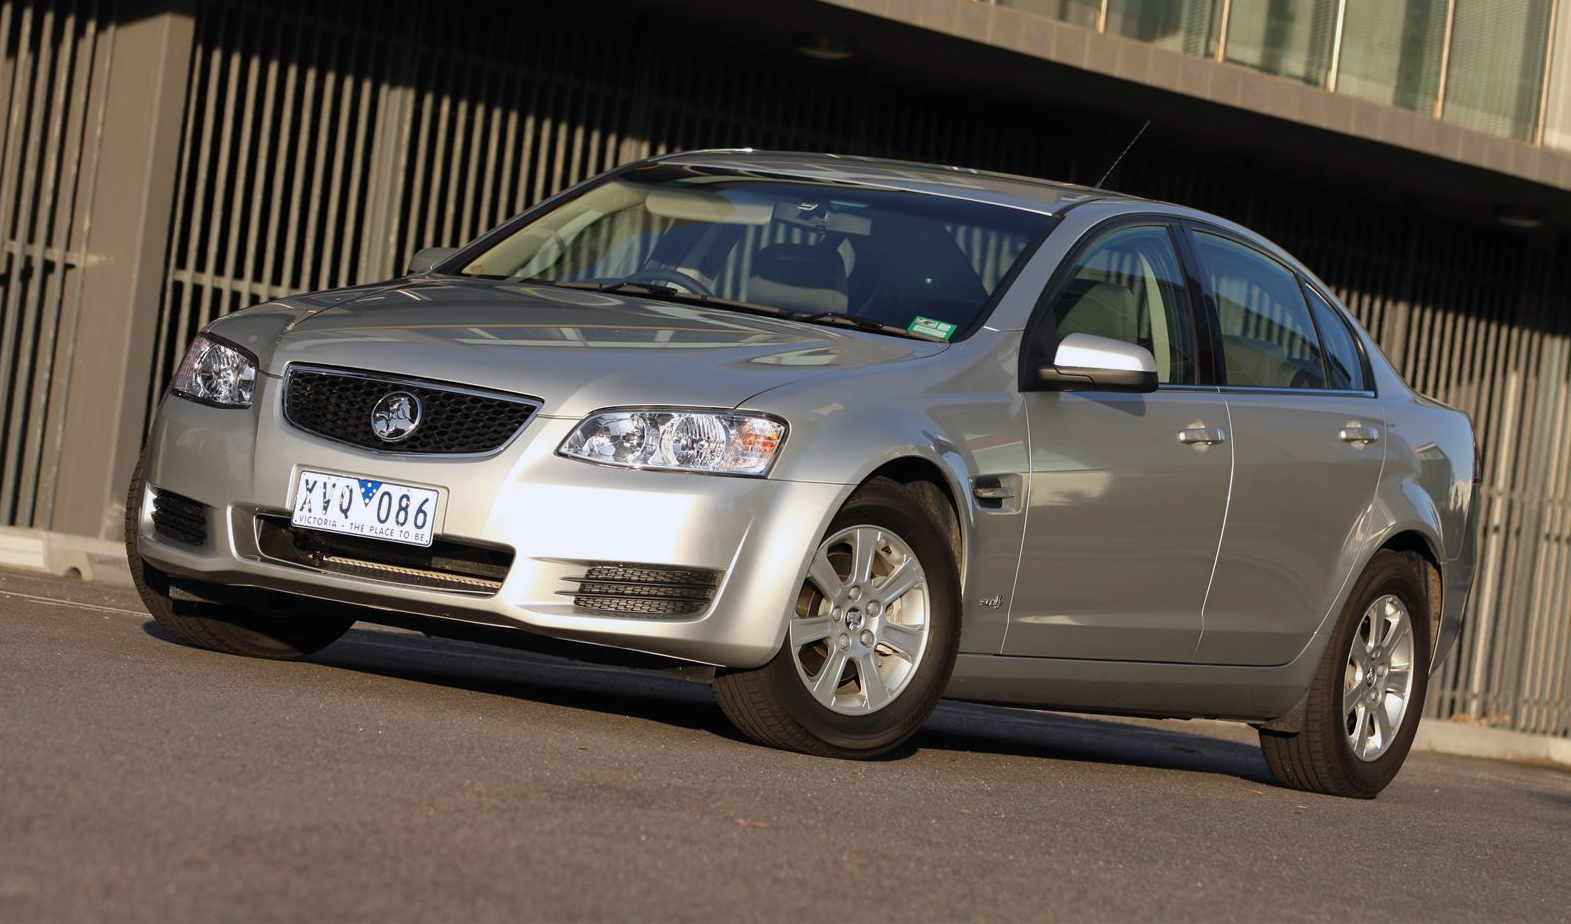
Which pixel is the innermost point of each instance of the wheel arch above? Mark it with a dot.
(1421, 546)
(935, 485)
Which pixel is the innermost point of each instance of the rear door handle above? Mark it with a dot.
(1359, 435)
(1202, 436)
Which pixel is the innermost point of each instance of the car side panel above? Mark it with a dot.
(1296, 520)
(959, 412)
(1428, 489)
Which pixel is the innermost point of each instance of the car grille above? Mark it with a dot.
(179, 518)
(646, 591)
(455, 419)
(446, 565)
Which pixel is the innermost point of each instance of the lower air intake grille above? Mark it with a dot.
(459, 567)
(647, 591)
(179, 518)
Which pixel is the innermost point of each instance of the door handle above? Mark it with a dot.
(1201, 436)
(1355, 434)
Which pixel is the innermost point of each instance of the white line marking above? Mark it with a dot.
(72, 603)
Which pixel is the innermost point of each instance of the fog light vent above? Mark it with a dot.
(179, 518)
(646, 591)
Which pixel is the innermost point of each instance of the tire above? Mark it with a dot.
(772, 704)
(1320, 756)
(231, 630)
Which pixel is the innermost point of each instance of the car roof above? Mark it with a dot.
(1021, 192)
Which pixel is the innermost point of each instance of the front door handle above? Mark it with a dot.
(1357, 434)
(1201, 436)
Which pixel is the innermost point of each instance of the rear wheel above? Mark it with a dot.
(232, 630)
(1363, 709)
(871, 644)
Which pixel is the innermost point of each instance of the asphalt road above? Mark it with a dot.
(398, 777)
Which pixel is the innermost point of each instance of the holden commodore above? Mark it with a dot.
(841, 437)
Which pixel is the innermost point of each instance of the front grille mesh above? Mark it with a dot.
(644, 591)
(338, 406)
(179, 518)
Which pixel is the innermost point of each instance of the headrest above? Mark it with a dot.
(800, 277)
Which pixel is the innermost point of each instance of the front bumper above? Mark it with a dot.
(556, 514)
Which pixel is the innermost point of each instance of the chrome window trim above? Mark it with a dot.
(1268, 390)
(534, 404)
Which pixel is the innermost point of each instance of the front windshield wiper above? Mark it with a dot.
(673, 294)
(850, 320)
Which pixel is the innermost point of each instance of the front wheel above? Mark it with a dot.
(1363, 707)
(231, 630)
(872, 641)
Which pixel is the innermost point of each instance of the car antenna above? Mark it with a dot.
(1121, 154)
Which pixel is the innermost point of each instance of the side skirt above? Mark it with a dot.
(1213, 691)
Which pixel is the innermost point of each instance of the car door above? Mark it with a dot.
(1307, 452)
(1127, 492)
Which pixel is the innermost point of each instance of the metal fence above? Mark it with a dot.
(323, 144)
(51, 82)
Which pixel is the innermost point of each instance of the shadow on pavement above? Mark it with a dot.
(1056, 736)
(655, 697)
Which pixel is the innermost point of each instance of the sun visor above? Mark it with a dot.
(693, 205)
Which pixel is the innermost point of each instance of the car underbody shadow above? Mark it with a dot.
(656, 697)
(1059, 736)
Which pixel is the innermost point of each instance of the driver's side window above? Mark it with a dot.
(1129, 285)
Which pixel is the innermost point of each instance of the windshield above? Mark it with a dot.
(909, 261)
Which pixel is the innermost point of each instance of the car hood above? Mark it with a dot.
(575, 350)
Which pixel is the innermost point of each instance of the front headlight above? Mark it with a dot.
(217, 373)
(715, 442)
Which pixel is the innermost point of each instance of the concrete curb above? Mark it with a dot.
(100, 560)
(1442, 737)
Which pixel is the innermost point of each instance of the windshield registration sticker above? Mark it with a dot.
(928, 327)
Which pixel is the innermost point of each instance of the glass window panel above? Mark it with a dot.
(1129, 286)
(802, 246)
(1289, 38)
(1391, 52)
(1188, 26)
(1268, 339)
(1497, 65)
(1344, 364)
(1557, 124)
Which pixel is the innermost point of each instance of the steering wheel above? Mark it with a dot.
(674, 277)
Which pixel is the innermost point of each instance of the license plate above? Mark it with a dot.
(365, 507)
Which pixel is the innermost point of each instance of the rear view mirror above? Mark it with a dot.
(1086, 361)
(423, 261)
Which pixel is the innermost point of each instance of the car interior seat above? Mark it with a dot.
(798, 277)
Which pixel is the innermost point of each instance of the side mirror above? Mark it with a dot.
(1086, 361)
(429, 257)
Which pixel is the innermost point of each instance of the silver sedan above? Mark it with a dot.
(841, 437)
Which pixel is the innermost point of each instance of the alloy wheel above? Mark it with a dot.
(1377, 683)
(862, 620)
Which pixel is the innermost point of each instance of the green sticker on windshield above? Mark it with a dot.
(928, 327)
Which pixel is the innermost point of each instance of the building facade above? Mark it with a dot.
(168, 161)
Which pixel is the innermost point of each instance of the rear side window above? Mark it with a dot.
(1268, 338)
(1129, 286)
(1344, 364)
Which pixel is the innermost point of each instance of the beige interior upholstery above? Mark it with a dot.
(800, 277)
(1105, 309)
